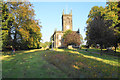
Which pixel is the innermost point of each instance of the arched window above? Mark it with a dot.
(59, 36)
(59, 43)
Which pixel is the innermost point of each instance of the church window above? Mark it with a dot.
(59, 36)
(59, 43)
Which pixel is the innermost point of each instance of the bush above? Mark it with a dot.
(83, 46)
(47, 49)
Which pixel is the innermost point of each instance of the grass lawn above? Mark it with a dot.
(104, 52)
(60, 63)
(83, 64)
(29, 64)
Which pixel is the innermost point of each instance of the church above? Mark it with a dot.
(66, 25)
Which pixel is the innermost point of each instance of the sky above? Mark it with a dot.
(50, 13)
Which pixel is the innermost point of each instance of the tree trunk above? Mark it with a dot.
(14, 41)
(9, 37)
(101, 49)
(115, 49)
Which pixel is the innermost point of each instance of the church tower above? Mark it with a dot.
(66, 21)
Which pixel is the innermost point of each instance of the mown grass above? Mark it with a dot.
(84, 65)
(28, 64)
(60, 63)
(103, 51)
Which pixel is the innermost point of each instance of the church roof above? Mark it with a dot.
(57, 32)
(62, 32)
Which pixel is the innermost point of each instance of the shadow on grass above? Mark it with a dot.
(112, 60)
(78, 66)
(73, 65)
(105, 51)
(29, 64)
(105, 57)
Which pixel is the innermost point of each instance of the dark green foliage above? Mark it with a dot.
(101, 26)
(99, 33)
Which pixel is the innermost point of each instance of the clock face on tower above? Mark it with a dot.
(67, 27)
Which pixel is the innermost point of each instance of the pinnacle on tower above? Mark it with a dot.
(63, 11)
(78, 31)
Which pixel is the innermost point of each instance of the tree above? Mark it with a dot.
(112, 11)
(66, 33)
(94, 13)
(99, 30)
(99, 33)
(45, 44)
(7, 21)
(23, 28)
(71, 38)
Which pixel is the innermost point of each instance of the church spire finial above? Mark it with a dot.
(63, 11)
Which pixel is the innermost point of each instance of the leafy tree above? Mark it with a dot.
(7, 21)
(48, 43)
(112, 11)
(23, 28)
(94, 13)
(71, 38)
(99, 30)
(99, 33)
(66, 33)
(45, 44)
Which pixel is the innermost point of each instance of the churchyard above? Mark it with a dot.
(60, 63)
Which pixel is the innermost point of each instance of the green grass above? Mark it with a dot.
(80, 66)
(61, 63)
(29, 65)
(104, 52)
